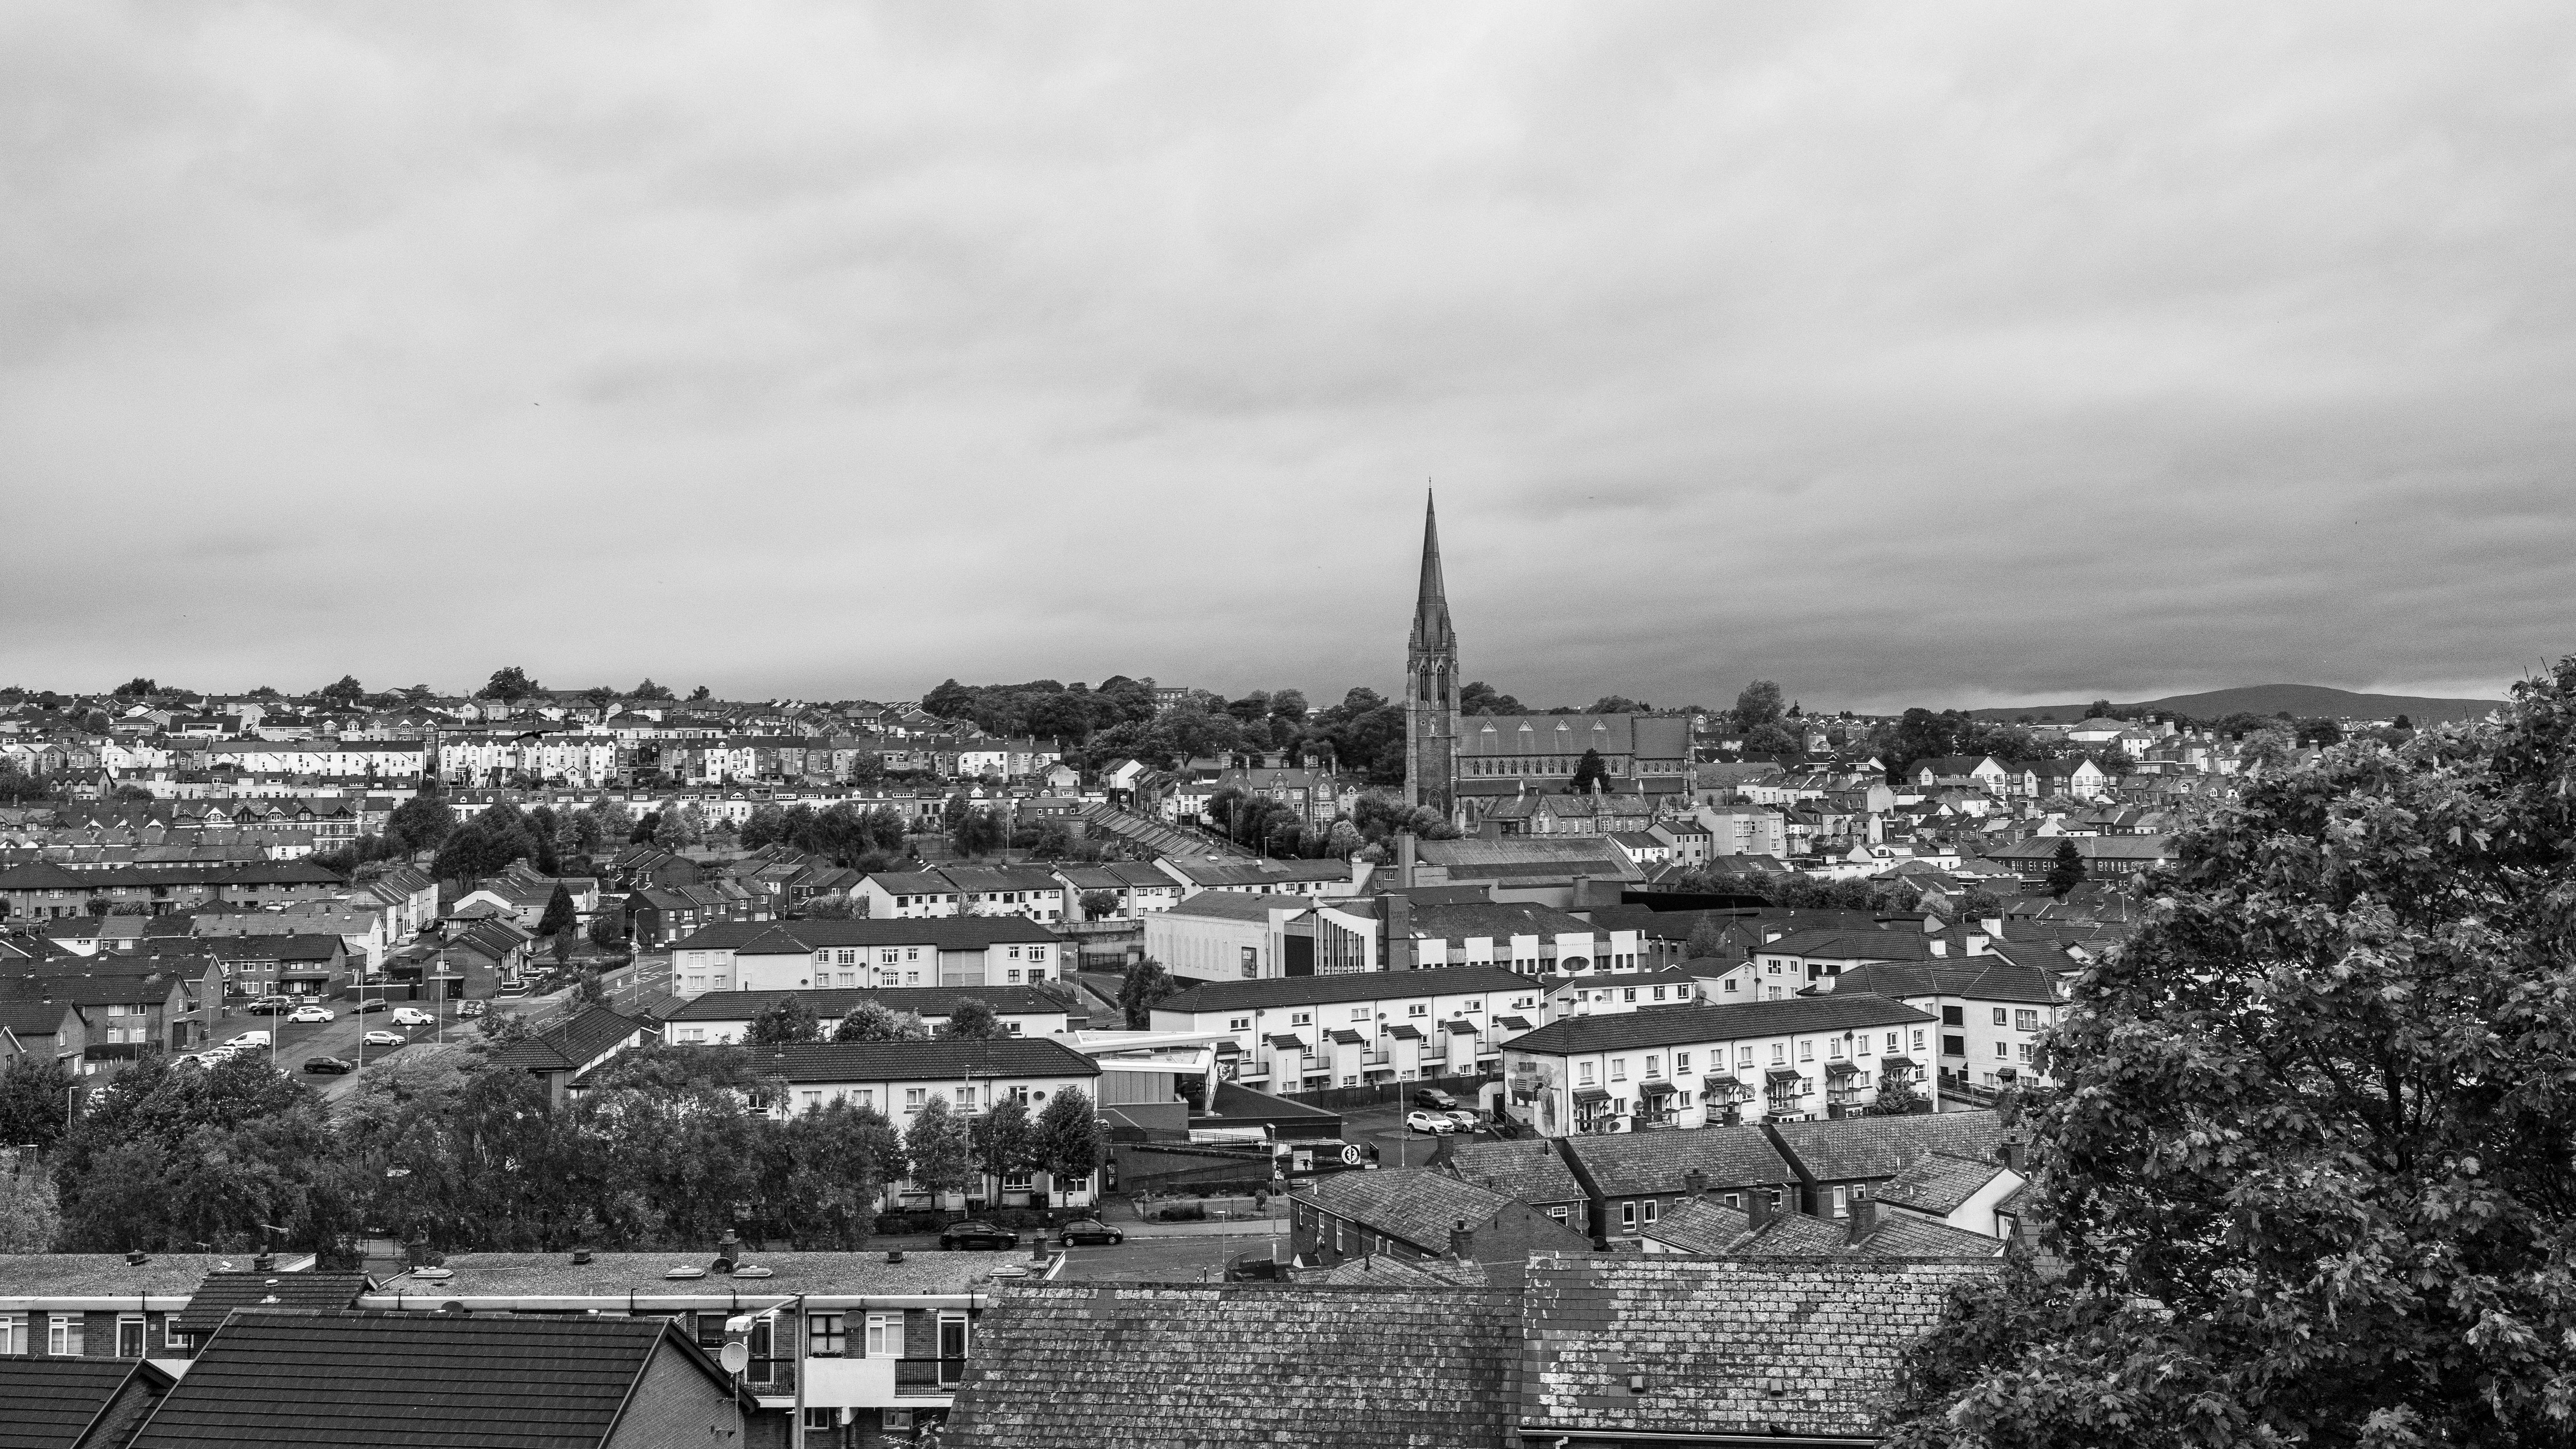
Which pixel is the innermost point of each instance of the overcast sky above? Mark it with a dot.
(1947, 354)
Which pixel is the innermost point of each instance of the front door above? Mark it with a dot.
(952, 1347)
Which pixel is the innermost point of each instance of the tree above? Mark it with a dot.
(1980, 904)
(508, 685)
(1478, 697)
(615, 822)
(33, 1100)
(1899, 1098)
(608, 927)
(942, 1155)
(2308, 1164)
(697, 694)
(766, 822)
(420, 823)
(1002, 1139)
(590, 990)
(1098, 905)
(560, 916)
(1590, 771)
(347, 694)
(2403, 723)
(600, 696)
(649, 690)
(1707, 940)
(876, 1021)
(31, 1215)
(788, 1019)
(972, 1020)
(137, 688)
(682, 827)
(1146, 983)
(1065, 1143)
(2065, 869)
(1758, 705)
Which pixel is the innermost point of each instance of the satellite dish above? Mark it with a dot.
(735, 1357)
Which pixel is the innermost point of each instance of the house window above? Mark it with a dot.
(1557, 1212)
(1628, 994)
(1650, 1211)
(1011, 977)
(2025, 1021)
(885, 1335)
(813, 1101)
(1842, 1204)
(1654, 1068)
(1419, 1008)
(816, 1419)
(1302, 1018)
(1238, 1023)
(1360, 1013)
(1918, 1039)
(1834, 1048)
(912, 1097)
(13, 1334)
(1618, 1069)
(1807, 1050)
(2025, 1051)
(64, 1337)
(1731, 983)
(1585, 1068)
(1779, 1053)
(1744, 1056)
(2003, 1049)
(1627, 1217)
(1015, 953)
(826, 1335)
(1659, 993)
(1999, 1016)
(1681, 1064)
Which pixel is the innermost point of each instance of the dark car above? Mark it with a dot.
(329, 1066)
(270, 1006)
(1088, 1230)
(1255, 1267)
(977, 1235)
(1434, 1097)
(378, 1004)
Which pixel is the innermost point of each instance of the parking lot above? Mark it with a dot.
(295, 1043)
(1383, 1127)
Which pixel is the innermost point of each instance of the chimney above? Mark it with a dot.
(728, 1251)
(1694, 1182)
(1976, 943)
(1399, 932)
(1940, 947)
(1864, 1219)
(1404, 859)
(2012, 1154)
(266, 1262)
(416, 1252)
(1994, 926)
(1757, 1206)
(1462, 1243)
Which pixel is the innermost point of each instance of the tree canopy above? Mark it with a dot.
(2308, 1167)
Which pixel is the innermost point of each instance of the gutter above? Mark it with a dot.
(624, 1303)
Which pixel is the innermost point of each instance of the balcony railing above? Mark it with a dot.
(928, 1375)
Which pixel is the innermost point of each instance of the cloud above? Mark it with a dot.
(1970, 355)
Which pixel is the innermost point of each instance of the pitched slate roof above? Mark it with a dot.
(477, 1276)
(1408, 1367)
(569, 1046)
(1700, 1225)
(1975, 978)
(1857, 1148)
(1526, 1170)
(1682, 1025)
(400, 1380)
(1347, 986)
(1902, 1235)
(1415, 1204)
(221, 1293)
(1237, 905)
(895, 1061)
(832, 1003)
(1653, 1164)
(50, 1403)
(1756, 1348)
(1938, 1182)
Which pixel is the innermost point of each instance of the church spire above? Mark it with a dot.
(1431, 604)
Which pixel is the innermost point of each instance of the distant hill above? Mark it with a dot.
(2305, 701)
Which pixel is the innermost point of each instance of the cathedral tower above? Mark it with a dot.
(1431, 687)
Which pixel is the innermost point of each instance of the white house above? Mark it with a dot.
(798, 955)
(898, 1079)
(1694, 1066)
(721, 1018)
(1306, 1032)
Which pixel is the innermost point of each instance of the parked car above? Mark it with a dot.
(1437, 1126)
(310, 1013)
(1435, 1099)
(384, 1038)
(329, 1066)
(1088, 1230)
(1255, 1267)
(373, 1003)
(250, 1039)
(412, 1016)
(971, 1234)
(1467, 1121)
(469, 1008)
(269, 1006)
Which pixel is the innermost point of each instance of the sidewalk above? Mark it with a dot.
(1227, 1228)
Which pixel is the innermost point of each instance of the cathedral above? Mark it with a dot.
(1468, 768)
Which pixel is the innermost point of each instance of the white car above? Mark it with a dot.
(411, 1016)
(384, 1038)
(1466, 1121)
(310, 1013)
(1431, 1122)
(249, 1039)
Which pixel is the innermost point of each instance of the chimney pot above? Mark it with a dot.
(1695, 1182)
(1757, 1206)
(1461, 1241)
(264, 1263)
(728, 1251)
(2012, 1153)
